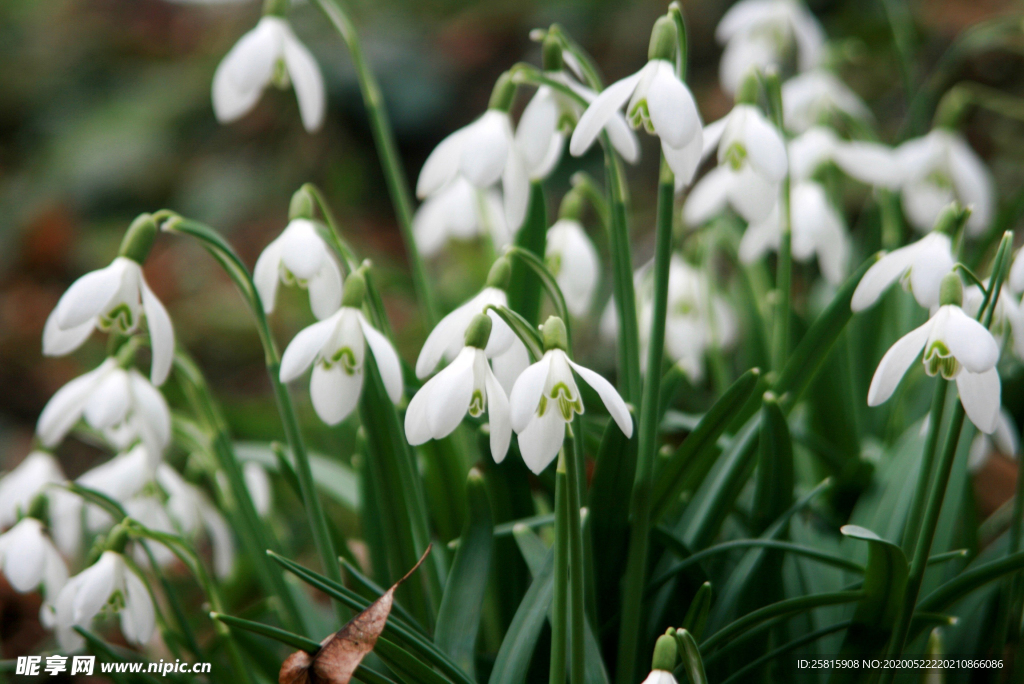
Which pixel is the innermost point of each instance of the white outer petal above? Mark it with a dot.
(880, 277)
(266, 273)
(246, 70)
(673, 112)
(970, 342)
(441, 165)
(497, 416)
(601, 110)
(895, 363)
(89, 296)
(334, 392)
(386, 357)
(138, 617)
(525, 395)
(66, 406)
(541, 439)
(304, 348)
(487, 145)
(980, 393)
(161, 334)
(612, 401)
(309, 83)
(708, 197)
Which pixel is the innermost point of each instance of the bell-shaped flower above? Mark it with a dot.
(39, 474)
(121, 478)
(919, 266)
(812, 97)
(762, 33)
(336, 348)
(108, 585)
(818, 230)
(299, 256)
(30, 560)
(654, 98)
(870, 163)
(268, 54)
(119, 403)
(572, 259)
(957, 347)
(1002, 440)
(1007, 317)
(466, 385)
(751, 165)
(483, 153)
(938, 169)
(112, 298)
(460, 211)
(546, 397)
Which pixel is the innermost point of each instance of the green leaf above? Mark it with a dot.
(524, 284)
(689, 654)
(535, 553)
(523, 329)
(537, 265)
(686, 468)
(697, 614)
(372, 590)
(408, 667)
(337, 480)
(773, 491)
(970, 580)
(520, 640)
(283, 636)
(458, 619)
(885, 582)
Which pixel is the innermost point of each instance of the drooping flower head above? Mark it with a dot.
(115, 299)
(545, 399)
(957, 347)
(460, 211)
(656, 99)
(39, 476)
(816, 95)
(30, 561)
(299, 256)
(466, 385)
(269, 54)
(571, 257)
(336, 348)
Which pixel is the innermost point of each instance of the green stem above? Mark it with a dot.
(560, 594)
(524, 286)
(384, 138)
(924, 477)
(784, 271)
(622, 278)
(641, 500)
(577, 619)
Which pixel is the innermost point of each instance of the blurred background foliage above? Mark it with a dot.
(105, 113)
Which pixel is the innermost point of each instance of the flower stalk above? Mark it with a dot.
(784, 272)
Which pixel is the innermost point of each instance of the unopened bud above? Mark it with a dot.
(572, 205)
(138, 239)
(665, 651)
(478, 331)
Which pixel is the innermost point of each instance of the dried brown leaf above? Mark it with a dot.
(341, 652)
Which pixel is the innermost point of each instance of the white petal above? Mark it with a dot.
(58, 341)
(869, 163)
(515, 186)
(760, 237)
(151, 407)
(446, 335)
(95, 586)
(451, 392)
(611, 398)
(708, 197)
(417, 425)
(540, 441)
(684, 161)
(973, 183)
(1016, 279)
(246, 70)
(600, 111)
(302, 249)
(334, 392)
(442, 164)
(510, 364)
(766, 152)
(429, 226)
(266, 274)
(672, 109)
(895, 363)
(923, 201)
(712, 136)
(623, 138)
(879, 277)
(387, 359)
(325, 289)
(980, 393)
(89, 295)
(931, 264)
(537, 126)
(67, 405)
(161, 335)
(497, 416)
(309, 83)
(258, 485)
(138, 617)
(751, 195)
(305, 347)
(525, 396)
(970, 342)
(24, 555)
(486, 149)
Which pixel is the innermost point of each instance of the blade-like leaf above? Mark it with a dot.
(697, 614)
(773, 492)
(517, 647)
(689, 654)
(524, 285)
(523, 330)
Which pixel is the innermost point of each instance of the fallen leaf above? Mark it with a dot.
(341, 652)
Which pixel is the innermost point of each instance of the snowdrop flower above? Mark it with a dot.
(817, 230)
(1015, 279)
(751, 165)
(460, 211)
(546, 397)
(656, 99)
(483, 153)
(919, 266)
(299, 256)
(121, 478)
(114, 298)
(813, 96)
(119, 403)
(572, 259)
(37, 476)
(258, 484)
(336, 348)
(955, 346)
(29, 559)
(446, 340)
(268, 54)
(1003, 440)
(467, 384)
(108, 584)
(939, 168)
(762, 33)
(870, 163)
(1007, 317)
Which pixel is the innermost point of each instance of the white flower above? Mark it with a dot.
(29, 559)
(751, 165)
(258, 484)
(955, 346)
(544, 399)
(461, 211)
(120, 403)
(35, 476)
(1016, 276)
(1007, 317)
(817, 230)
(814, 95)
(939, 168)
(919, 267)
(870, 163)
(107, 584)
(112, 298)
(336, 347)
(467, 384)
(660, 677)
(541, 132)
(300, 256)
(762, 33)
(1003, 439)
(572, 259)
(121, 478)
(658, 101)
(483, 153)
(269, 53)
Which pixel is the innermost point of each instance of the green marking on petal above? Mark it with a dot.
(280, 79)
(477, 404)
(346, 357)
(121, 317)
(736, 156)
(939, 360)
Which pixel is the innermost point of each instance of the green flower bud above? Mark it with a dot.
(138, 239)
(355, 290)
(301, 206)
(952, 219)
(663, 39)
(499, 274)
(951, 290)
(572, 205)
(554, 334)
(664, 653)
(551, 53)
(479, 331)
(503, 93)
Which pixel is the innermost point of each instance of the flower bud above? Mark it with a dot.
(478, 331)
(664, 653)
(572, 205)
(554, 334)
(663, 39)
(551, 53)
(301, 206)
(138, 239)
(503, 93)
(951, 290)
(354, 290)
(952, 219)
(499, 274)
